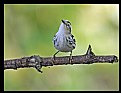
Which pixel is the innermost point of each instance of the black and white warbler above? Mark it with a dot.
(63, 40)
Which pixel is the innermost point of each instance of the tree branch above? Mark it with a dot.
(37, 62)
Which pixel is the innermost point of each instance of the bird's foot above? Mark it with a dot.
(53, 60)
(70, 60)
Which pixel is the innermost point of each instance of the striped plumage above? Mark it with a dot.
(63, 40)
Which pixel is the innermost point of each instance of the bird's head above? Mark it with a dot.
(67, 25)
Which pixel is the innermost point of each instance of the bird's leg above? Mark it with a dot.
(70, 58)
(55, 54)
(53, 58)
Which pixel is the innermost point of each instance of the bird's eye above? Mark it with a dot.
(68, 22)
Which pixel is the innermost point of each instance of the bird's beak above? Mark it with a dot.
(63, 21)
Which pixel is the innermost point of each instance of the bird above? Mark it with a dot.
(63, 40)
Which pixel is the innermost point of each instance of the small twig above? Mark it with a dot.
(37, 62)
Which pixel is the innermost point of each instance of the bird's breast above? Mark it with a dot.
(62, 44)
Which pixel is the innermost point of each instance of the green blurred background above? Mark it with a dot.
(29, 30)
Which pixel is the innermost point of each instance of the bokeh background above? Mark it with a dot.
(29, 30)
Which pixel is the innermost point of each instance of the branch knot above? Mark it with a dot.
(38, 62)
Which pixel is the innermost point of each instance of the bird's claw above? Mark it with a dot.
(70, 60)
(53, 60)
